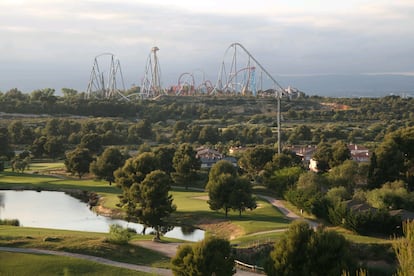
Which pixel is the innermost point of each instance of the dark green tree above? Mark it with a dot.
(164, 156)
(208, 134)
(323, 157)
(255, 159)
(5, 148)
(241, 197)
(152, 201)
(219, 192)
(185, 164)
(105, 165)
(78, 161)
(38, 146)
(340, 153)
(301, 251)
(227, 190)
(52, 127)
(211, 256)
(54, 147)
(93, 142)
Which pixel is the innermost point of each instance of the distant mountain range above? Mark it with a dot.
(352, 85)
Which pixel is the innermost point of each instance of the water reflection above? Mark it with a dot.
(56, 210)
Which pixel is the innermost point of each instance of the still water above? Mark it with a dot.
(57, 210)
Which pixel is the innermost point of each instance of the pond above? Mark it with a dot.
(57, 210)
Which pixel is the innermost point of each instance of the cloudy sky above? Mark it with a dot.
(53, 43)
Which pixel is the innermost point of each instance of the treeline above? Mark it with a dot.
(258, 110)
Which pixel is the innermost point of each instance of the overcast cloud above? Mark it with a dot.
(52, 43)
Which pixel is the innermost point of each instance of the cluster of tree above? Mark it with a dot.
(303, 251)
(394, 159)
(146, 180)
(227, 190)
(341, 184)
(211, 256)
(21, 162)
(348, 122)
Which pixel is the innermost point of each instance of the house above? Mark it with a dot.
(209, 157)
(359, 153)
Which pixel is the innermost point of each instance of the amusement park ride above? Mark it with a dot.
(240, 74)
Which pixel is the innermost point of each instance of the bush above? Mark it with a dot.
(119, 235)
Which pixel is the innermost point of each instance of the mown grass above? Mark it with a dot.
(88, 243)
(31, 264)
(192, 208)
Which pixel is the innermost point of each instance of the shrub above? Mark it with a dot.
(119, 235)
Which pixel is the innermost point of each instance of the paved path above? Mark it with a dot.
(151, 270)
(288, 213)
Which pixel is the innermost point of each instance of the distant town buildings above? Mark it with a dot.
(358, 154)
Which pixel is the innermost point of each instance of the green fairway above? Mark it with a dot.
(31, 264)
(192, 206)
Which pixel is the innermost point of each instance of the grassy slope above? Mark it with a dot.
(80, 242)
(17, 264)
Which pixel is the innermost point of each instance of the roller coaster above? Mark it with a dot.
(240, 74)
(106, 80)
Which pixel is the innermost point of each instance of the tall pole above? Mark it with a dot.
(279, 144)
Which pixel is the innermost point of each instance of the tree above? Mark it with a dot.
(37, 148)
(54, 146)
(323, 156)
(93, 142)
(185, 164)
(227, 190)
(208, 134)
(346, 174)
(135, 170)
(211, 256)
(340, 153)
(141, 130)
(219, 192)
(241, 196)
(283, 179)
(5, 149)
(15, 130)
(52, 127)
(289, 255)
(151, 200)
(255, 159)
(105, 165)
(301, 251)
(78, 161)
(164, 156)
(69, 93)
(394, 158)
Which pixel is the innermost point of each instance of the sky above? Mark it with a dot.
(53, 43)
